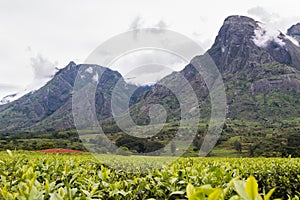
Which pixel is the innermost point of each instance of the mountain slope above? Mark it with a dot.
(50, 107)
(294, 31)
(261, 77)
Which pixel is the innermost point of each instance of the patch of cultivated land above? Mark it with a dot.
(81, 176)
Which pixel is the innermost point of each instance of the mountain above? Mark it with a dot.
(8, 98)
(50, 107)
(294, 31)
(260, 70)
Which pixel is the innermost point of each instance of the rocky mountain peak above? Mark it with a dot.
(70, 65)
(294, 30)
(236, 30)
(238, 19)
(234, 40)
(243, 44)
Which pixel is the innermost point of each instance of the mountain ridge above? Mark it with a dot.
(50, 107)
(248, 71)
(256, 78)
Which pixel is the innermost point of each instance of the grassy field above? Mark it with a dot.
(33, 175)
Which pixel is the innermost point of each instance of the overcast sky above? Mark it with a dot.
(38, 35)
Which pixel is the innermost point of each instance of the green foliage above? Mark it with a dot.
(31, 175)
(124, 151)
(272, 138)
(139, 145)
(237, 146)
(246, 190)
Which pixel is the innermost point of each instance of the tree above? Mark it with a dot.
(123, 151)
(251, 151)
(237, 146)
(198, 140)
(173, 148)
(34, 145)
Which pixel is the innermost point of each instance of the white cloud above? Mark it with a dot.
(273, 25)
(42, 67)
(4, 86)
(263, 15)
(140, 23)
(7, 89)
(77, 27)
(273, 20)
(43, 71)
(266, 34)
(137, 23)
(162, 24)
(147, 66)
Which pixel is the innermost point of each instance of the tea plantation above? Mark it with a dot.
(34, 175)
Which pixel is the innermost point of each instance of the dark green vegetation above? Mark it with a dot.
(41, 140)
(30, 175)
(270, 139)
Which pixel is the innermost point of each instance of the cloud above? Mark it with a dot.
(262, 14)
(159, 27)
(43, 70)
(202, 40)
(273, 25)
(42, 67)
(4, 86)
(265, 34)
(137, 23)
(161, 24)
(7, 89)
(147, 66)
(147, 74)
(271, 19)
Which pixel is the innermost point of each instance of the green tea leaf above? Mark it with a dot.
(252, 188)
(215, 195)
(206, 189)
(190, 190)
(269, 194)
(239, 187)
(9, 153)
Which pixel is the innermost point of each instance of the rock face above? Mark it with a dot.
(294, 30)
(235, 49)
(294, 33)
(233, 46)
(261, 81)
